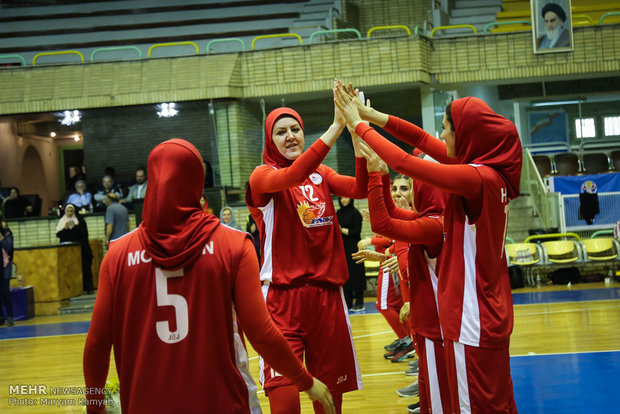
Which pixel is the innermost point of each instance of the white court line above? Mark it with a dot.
(373, 334)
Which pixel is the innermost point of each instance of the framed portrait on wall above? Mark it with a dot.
(552, 26)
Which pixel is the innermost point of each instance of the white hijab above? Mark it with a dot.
(64, 219)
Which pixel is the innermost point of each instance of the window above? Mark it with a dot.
(585, 128)
(612, 125)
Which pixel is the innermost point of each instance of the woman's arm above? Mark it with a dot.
(418, 138)
(423, 230)
(99, 342)
(265, 179)
(461, 179)
(345, 186)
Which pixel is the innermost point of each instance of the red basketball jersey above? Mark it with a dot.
(300, 235)
(162, 337)
(475, 302)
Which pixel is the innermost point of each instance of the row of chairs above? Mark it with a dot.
(570, 248)
(569, 163)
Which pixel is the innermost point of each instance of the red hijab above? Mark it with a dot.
(428, 200)
(484, 137)
(271, 154)
(174, 229)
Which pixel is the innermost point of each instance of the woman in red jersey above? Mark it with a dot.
(474, 298)
(422, 229)
(168, 300)
(303, 264)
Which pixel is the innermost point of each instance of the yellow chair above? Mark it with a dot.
(601, 248)
(372, 268)
(561, 251)
(525, 255)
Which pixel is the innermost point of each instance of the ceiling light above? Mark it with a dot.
(556, 103)
(71, 117)
(52, 134)
(167, 110)
(76, 138)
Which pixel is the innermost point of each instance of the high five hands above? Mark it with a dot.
(347, 100)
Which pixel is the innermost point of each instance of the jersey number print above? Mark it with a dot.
(177, 301)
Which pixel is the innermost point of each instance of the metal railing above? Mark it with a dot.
(272, 36)
(454, 26)
(114, 49)
(168, 44)
(62, 52)
(546, 204)
(390, 27)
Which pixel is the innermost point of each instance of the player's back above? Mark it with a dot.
(175, 330)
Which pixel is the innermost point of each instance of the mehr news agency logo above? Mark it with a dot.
(39, 395)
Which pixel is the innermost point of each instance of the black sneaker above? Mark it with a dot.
(413, 408)
(9, 322)
(391, 347)
(404, 353)
(403, 346)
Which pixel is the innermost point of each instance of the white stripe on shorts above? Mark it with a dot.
(433, 380)
(358, 373)
(461, 377)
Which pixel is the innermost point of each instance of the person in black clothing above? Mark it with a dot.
(252, 228)
(16, 206)
(6, 244)
(72, 228)
(350, 221)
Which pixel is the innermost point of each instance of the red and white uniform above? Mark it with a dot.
(389, 298)
(174, 332)
(304, 266)
(472, 266)
(425, 233)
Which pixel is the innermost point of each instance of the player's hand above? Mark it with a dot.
(401, 202)
(319, 392)
(391, 264)
(339, 119)
(373, 162)
(347, 105)
(368, 256)
(404, 313)
(362, 244)
(366, 217)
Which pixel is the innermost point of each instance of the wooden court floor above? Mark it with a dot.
(565, 351)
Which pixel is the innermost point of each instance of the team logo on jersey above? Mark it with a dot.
(589, 187)
(312, 216)
(316, 178)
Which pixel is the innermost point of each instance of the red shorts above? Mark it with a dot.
(432, 377)
(387, 296)
(479, 379)
(316, 325)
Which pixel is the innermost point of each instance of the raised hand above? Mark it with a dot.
(319, 392)
(373, 162)
(347, 105)
(365, 216)
(339, 118)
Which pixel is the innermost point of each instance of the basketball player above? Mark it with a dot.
(169, 296)
(474, 298)
(303, 264)
(422, 229)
